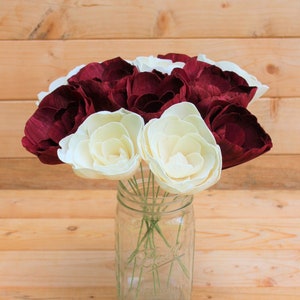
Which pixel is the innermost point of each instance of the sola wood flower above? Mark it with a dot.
(148, 86)
(104, 146)
(181, 151)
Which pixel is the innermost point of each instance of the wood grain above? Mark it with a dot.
(54, 19)
(98, 234)
(259, 268)
(57, 268)
(93, 204)
(242, 293)
(109, 293)
(264, 268)
(45, 293)
(28, 67)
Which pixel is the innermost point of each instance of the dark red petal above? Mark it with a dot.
(239, 135)
(175, 57)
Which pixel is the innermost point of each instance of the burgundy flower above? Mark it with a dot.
(58, 115)
(208, 83)
(149, 94)
(237, 132)
(96, 87)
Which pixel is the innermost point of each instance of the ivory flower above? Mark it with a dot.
(181, 151)
(104, 146)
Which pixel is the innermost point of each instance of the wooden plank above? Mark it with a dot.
(279, 117)
(242, 293)
(57, 234)
(155, 19)
(57, 268)
(214, 203)
(74, 293)
(273, 61)
(234, 204)
(62, 269)
(13, 117)
(247, 268)
(45, 203)
(245, 234)
(98, 234)
(109, 293)
(277, 172)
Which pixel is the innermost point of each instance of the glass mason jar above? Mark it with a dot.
(154, 242)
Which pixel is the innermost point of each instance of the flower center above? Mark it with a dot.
(180, 166)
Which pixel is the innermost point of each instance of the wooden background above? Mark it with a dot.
(57, 231)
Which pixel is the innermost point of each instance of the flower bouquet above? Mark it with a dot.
(164, 127)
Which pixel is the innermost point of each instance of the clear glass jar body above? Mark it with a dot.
(154, 243)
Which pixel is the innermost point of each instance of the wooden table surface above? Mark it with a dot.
(57, 231)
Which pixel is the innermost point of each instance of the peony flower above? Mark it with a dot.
(237, 132)
(207, 83)
(224, 80)
(181, 151)
(149, 94)
(104, 146)
(232, 67)
(58, 115)
(150, 63)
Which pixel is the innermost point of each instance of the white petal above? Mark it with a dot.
(166, 145)
(82, 157)
(189, 143)
(178, 166)
(203, 130)
(147, 64)
(181, 110)
(134, 124)
(64, 153)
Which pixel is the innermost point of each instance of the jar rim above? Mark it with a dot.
(150, 202)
